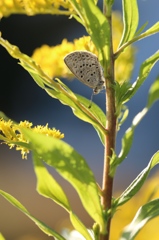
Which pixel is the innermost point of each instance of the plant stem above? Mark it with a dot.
(110, 138)
(110, 144)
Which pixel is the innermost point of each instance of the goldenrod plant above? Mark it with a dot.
(110, 38)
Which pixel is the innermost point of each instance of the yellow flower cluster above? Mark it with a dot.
(126, 212)
(51, 58)
(51, 61)
(32, 7)
(10, 133)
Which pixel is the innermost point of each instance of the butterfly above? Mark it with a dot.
(86, 67)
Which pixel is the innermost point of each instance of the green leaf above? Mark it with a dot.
(123, 115)
(94, 115)
(120, 91)
(147, 212)
(72, 167)
(57, 89)
(48, 187)
(143, 74)
(79, 226)
(109, 2)
(127, 141)
(95, 109)
(153, 93)
(153, 30)
(128, 137)
(97, 26)
(130, 20)
(135, 186)
(40, 224)
(141, 28)
(98, 116)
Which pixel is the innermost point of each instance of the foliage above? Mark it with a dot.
(105, 33)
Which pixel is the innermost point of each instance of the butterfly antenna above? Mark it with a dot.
(91, 100)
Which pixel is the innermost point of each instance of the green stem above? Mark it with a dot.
(110, 139)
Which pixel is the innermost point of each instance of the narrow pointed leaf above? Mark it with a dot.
(141, 28)
(130, 19)
(143, 74)
(127, 141)
(135, 186)
(153, 93)
(129, 134)
(124, 115)
(97, 26)
(40, 224)
(147, 212)
(95, 23)
(152, 30)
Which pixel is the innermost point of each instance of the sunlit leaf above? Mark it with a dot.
(97, 25)
(152, 30)
(130, 19)
(135, 186)
(141, 29)
(72, 167)
(147, 212)
(48, 187)
(95, 115)
(127, 141)
(153, 93)
(79, 226)
(123, 115)
(143, 74)
(47, 230)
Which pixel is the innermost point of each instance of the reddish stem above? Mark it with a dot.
(110, 138)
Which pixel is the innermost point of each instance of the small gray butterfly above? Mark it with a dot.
(86, 67)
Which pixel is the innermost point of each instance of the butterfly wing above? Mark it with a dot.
(85, 66)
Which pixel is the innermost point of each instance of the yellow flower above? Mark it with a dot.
(126, 213)
(51, 58)
(10, 133)
(32, 7)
